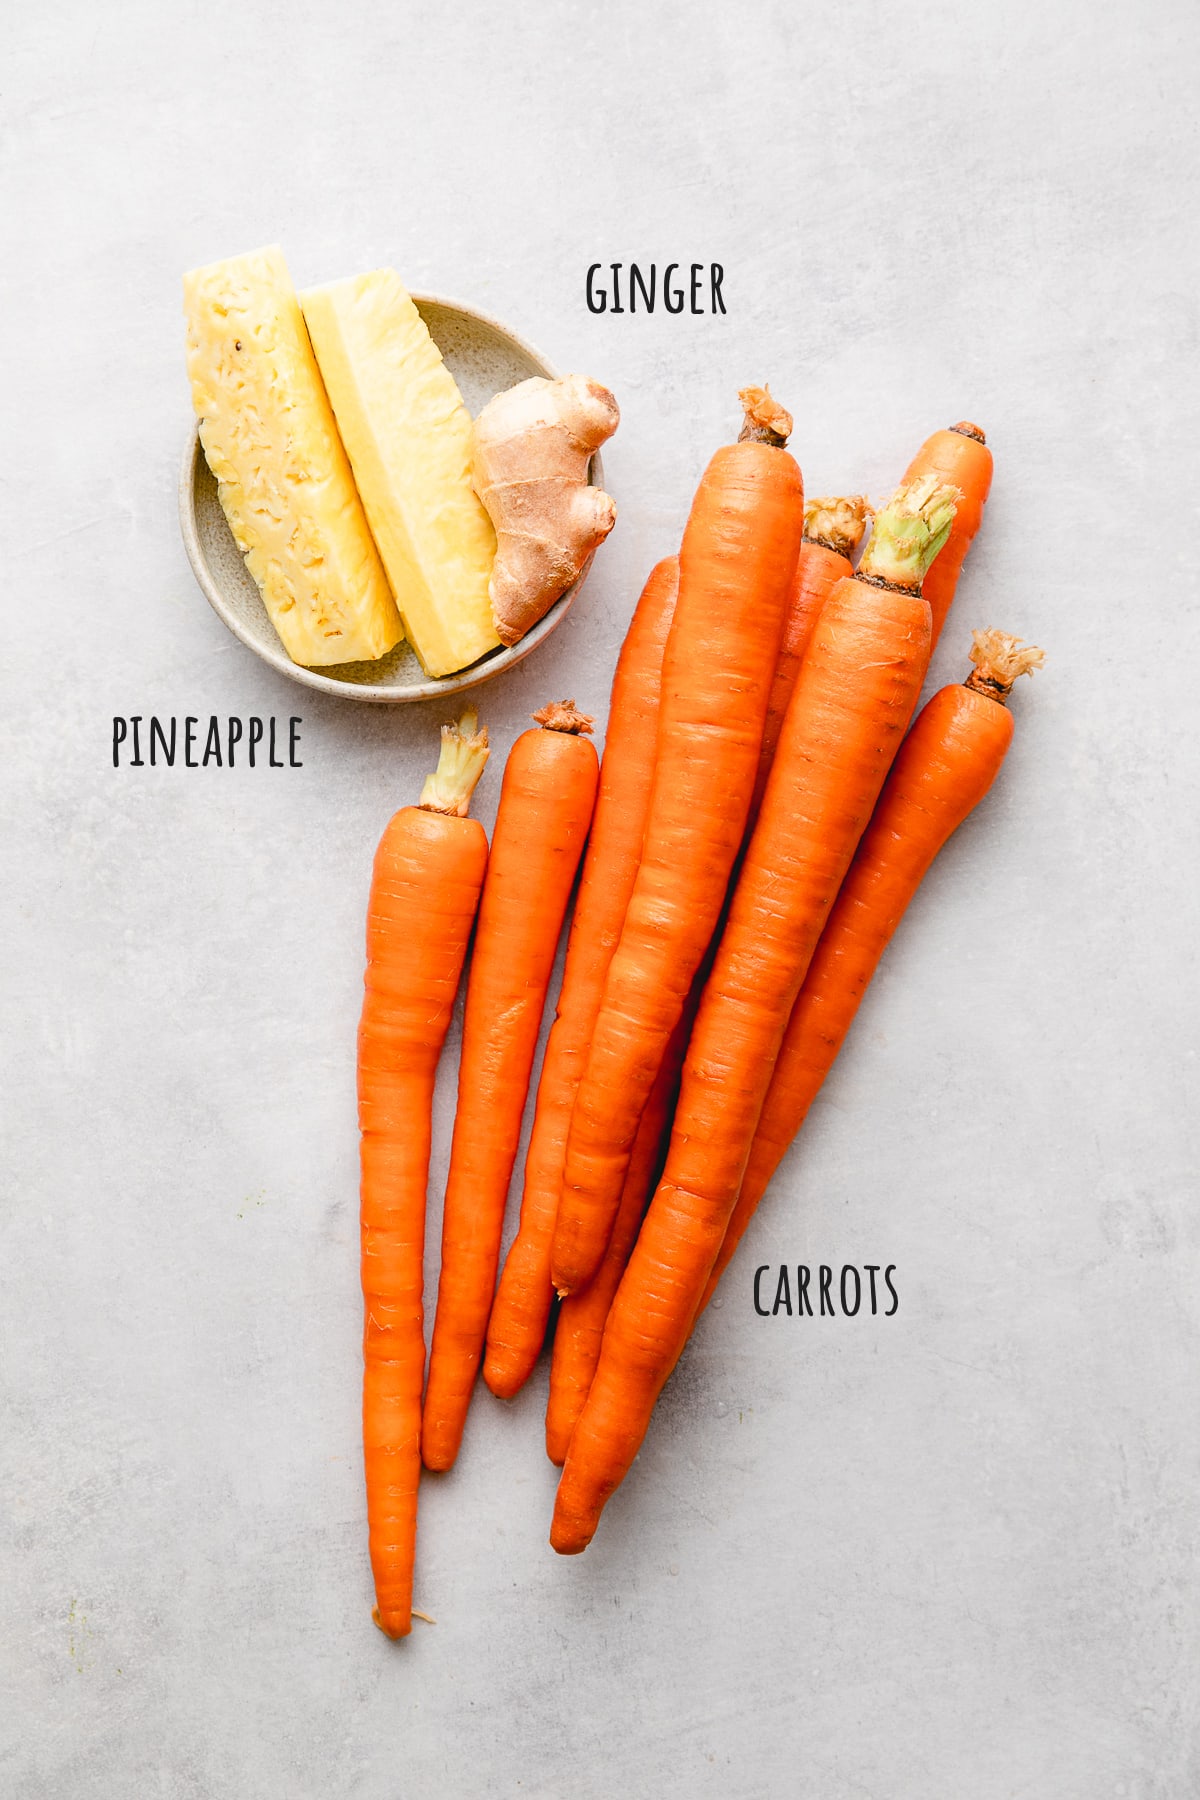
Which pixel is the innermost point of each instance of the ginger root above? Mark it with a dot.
(532, 447)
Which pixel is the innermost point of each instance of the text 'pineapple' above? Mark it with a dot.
(201, 745)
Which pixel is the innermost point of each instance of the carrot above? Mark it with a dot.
(545, 808)
(582, 1316)
(424, 892)
(833, 530)
(736, 568)
(856, 690)
(946, 765)
(960, 457)
(521, 1309)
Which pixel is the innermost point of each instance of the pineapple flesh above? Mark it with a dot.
(282, 475)
(408, 437)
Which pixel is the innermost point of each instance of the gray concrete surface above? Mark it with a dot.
(948, 1553)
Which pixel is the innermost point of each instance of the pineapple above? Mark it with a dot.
(408, 437)
(282, 474)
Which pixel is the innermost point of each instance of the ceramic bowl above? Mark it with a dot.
(484, 357)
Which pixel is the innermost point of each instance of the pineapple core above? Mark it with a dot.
(408, 437)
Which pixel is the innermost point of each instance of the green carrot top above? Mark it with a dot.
(910, 531)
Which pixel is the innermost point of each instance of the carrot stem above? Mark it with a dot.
(909, 532)
(999, 660)
(837, 521)
(460, 764)
(765, 421)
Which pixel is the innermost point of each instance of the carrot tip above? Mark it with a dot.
(565, 1543)
(504, 1383)
(393, 1628)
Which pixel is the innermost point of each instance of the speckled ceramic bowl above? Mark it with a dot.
(484, 357)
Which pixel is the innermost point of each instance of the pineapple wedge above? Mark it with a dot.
(282, 474)
(408, 437)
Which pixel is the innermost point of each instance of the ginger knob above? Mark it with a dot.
(532, 447)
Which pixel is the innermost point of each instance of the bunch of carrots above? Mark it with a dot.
(762, 817)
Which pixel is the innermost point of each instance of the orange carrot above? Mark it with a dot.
(857, 687)
(521, 1309)
(424, 892)
(960, 457)
(946, 765)
(736, 568)
(833, 530)
(541, 825)
(582, 1316)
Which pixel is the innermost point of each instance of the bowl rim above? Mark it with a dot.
(431, 688)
